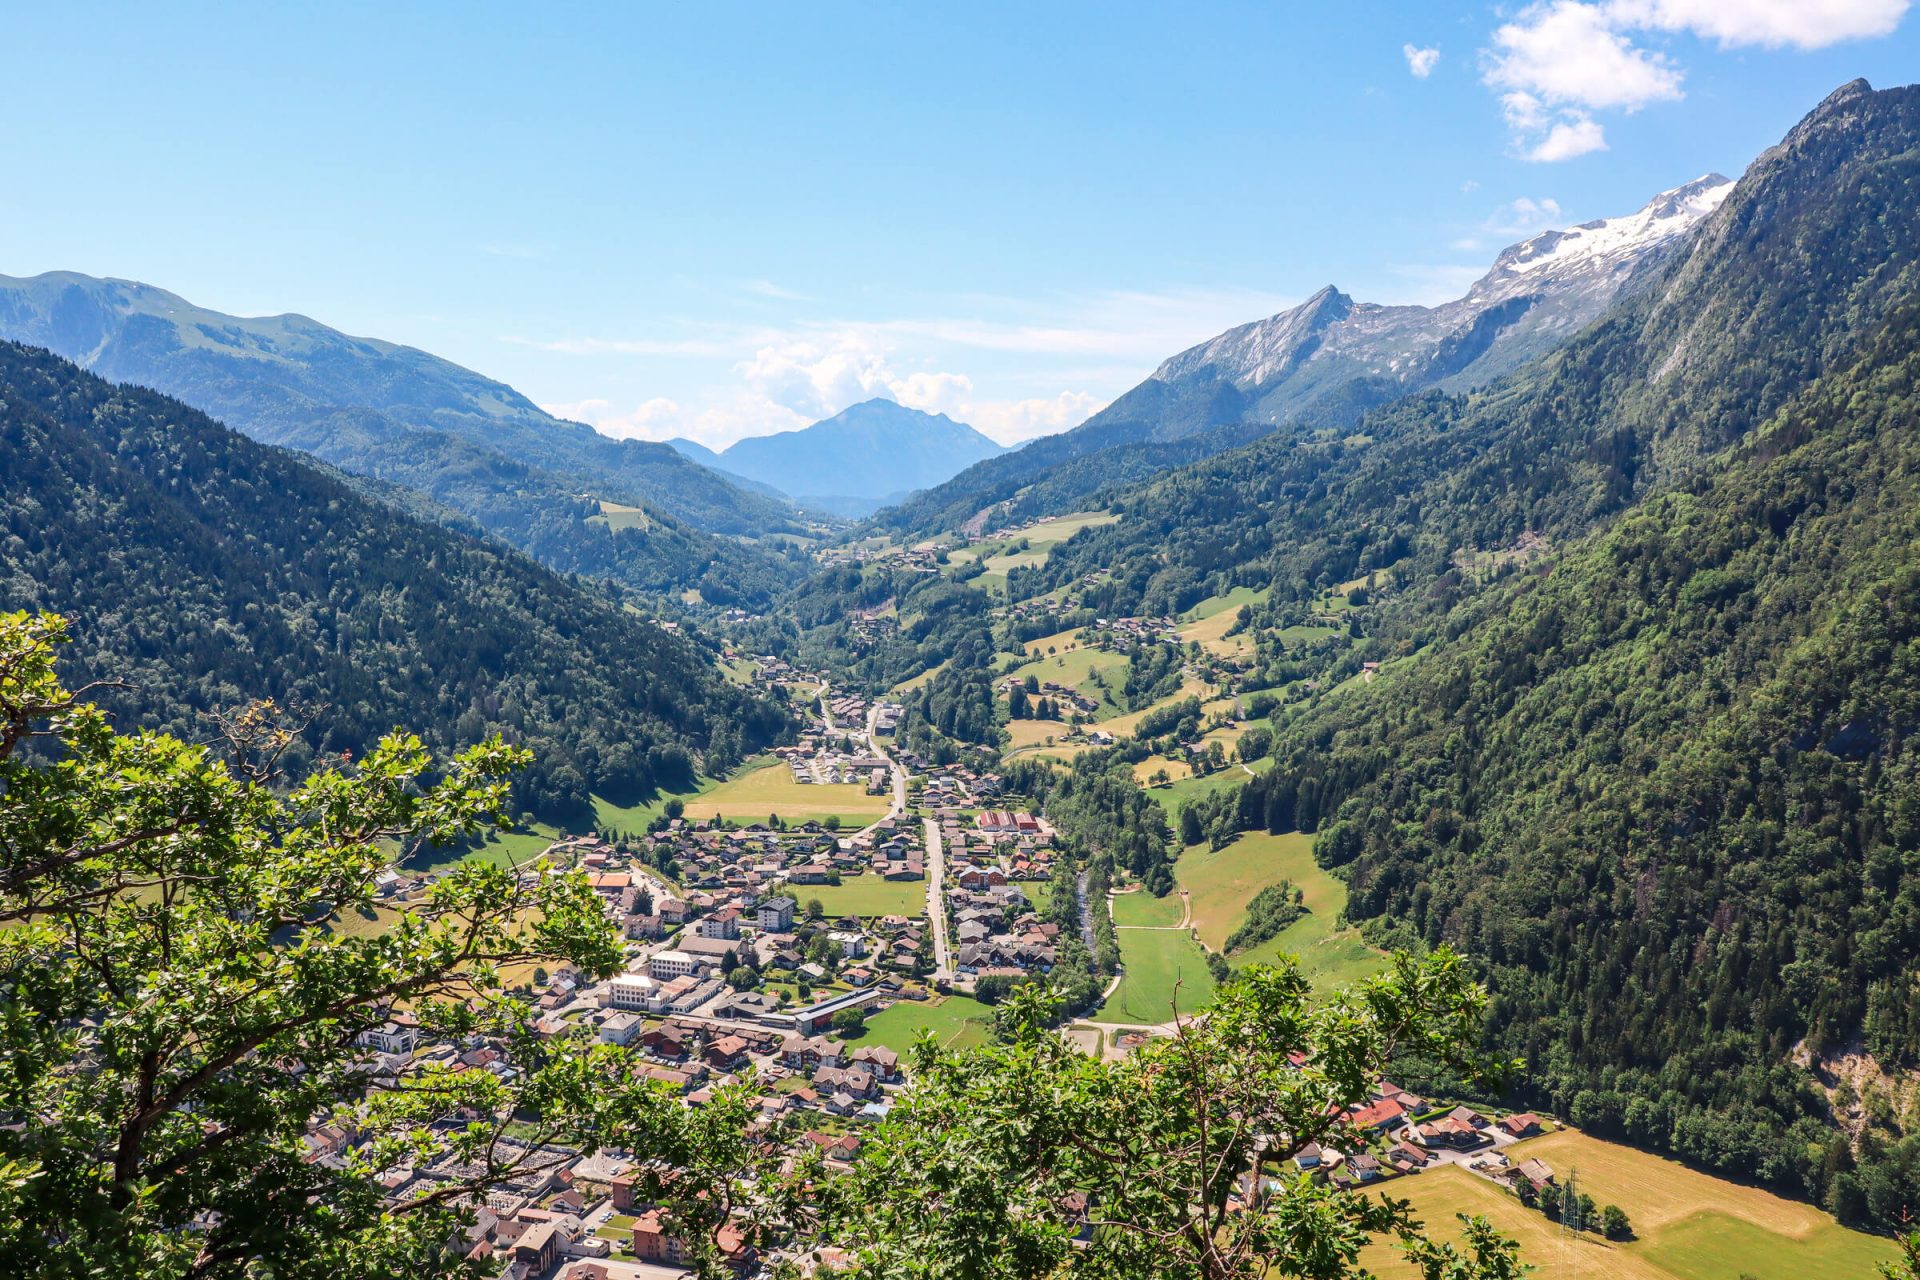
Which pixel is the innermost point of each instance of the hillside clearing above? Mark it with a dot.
(1222, 883)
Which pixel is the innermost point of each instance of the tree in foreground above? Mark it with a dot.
(1171, 1162)
(181, 989)
(184, 973)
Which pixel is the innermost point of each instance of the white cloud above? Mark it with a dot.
(1030, 366)
(1774, 24)
(817, 378)
(1011, 421)
(1569, 52)
(1575, 135)
(768, 289)
(1420, 61)
(1559, 61)
(715, 425)
(655, 419)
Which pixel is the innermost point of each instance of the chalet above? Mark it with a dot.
(1379, 1117)
(840, 1147)
(1449, 1131)
(1523, 1124)
(804, 1053)
(727, 1053)
(856, 1081)
(879, 1059)
(669, 1042)
(1408, 1158)
(1535, 1171)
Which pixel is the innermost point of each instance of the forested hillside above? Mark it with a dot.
(1660, 782)
(1666, 793)
(400, 415)
(1646, 615)
(206, 570)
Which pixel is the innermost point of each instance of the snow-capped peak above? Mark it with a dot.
(1669, 214)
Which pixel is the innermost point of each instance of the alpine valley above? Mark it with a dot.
(1470, 750)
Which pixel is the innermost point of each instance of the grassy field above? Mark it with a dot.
(1054, 530)
(1061, 753)
(1003, 554)
(1176, 770)
(1033, 733)
(1211, 619)
(866, 895)
(1301, 633)
(914, 682)
(1229, 604)
(763, 786)
(1171, 798)
(1122, 726)
(1222, 883)
(501, 849)
(1142, 908)
(1077, 669)
(753, 794)
(507, 848)
(1158, 963)
(959, 1021)
(741, 671)
(1688, 1225)
(617, 517)
(1058, 640)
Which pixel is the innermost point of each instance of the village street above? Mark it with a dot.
(937, 903)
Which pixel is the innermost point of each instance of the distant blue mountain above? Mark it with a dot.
(856, 460)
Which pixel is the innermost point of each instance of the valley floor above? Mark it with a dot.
(1688, 1225)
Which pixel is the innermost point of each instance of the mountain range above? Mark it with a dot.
(397, 414)
(202, 569)
(1322, 364)
(1604, 671)
(856, 461)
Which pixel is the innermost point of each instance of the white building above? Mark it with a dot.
(851, 944)
(388, 1037)
(668, 965)
(633, 991)
(622, 1028)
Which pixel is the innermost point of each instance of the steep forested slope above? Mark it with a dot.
(1669, 794)
(1650, 621)
(1660, 780)
(207, 570)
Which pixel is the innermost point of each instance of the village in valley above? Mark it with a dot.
(802, 958)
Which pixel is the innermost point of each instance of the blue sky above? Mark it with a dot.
(719, 220)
